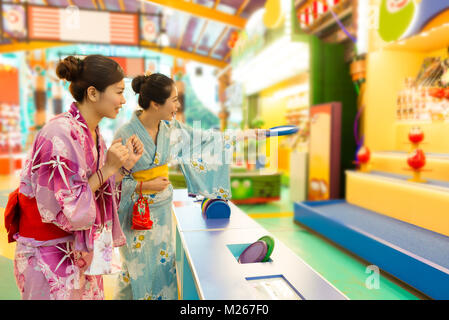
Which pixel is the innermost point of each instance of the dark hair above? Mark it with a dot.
(94, 70)
(155, 87)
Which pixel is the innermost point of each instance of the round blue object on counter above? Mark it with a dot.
(217, 209)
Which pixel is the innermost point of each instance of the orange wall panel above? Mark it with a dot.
(9, 84)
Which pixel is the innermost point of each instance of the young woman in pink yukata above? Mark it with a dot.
(63, 250)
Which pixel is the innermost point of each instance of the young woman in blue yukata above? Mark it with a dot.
(148, 259)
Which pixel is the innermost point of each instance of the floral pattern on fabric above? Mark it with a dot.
(55, 173)
(149, 257)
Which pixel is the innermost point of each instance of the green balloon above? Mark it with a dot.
(392, 25)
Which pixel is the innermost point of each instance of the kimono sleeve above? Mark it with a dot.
(59, 178)
(201, 155)
(127, 186)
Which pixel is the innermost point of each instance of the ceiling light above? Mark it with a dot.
(163, 40)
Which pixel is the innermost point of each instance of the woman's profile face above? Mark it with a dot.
(111, 100)
(170, 107)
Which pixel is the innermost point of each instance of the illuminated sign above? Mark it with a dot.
(399, 19)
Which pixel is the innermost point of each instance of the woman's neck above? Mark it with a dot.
(149, 120)
(90, 115)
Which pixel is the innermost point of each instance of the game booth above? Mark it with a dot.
(394, 214)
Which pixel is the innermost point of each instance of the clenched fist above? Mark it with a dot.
(135, 149)
(116, 156)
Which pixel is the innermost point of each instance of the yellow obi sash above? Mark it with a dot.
(145, 175)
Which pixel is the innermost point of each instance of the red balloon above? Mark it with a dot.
(416, 159)
(363, 155)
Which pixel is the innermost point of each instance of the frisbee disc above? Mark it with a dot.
(254, 252)
(270, 246)
(204, 203)
(282, 130)
(207, 203)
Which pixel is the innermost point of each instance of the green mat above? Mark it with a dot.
(8, 287)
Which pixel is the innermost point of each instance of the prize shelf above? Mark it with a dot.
(405, 58)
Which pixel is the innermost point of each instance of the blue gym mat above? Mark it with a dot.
(422, 242)
(414, 255)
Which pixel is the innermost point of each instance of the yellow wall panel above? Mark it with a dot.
(386, 72)
(413, 203)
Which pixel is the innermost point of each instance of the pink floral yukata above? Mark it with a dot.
(56, 173)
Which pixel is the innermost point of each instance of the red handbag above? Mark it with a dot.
(141, 213)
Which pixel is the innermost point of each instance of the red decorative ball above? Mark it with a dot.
(416, 159)
(416, 135)
(363, 155)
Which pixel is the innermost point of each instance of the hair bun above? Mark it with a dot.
(137, 83)
(70, 68)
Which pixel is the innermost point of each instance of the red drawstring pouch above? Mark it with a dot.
(141, 213)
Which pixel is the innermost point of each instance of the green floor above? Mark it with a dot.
(8, 288)
(339, 267)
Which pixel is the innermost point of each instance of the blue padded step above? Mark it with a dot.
(417, 256)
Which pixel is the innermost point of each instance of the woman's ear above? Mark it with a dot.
(154, 105)
(92, 94)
